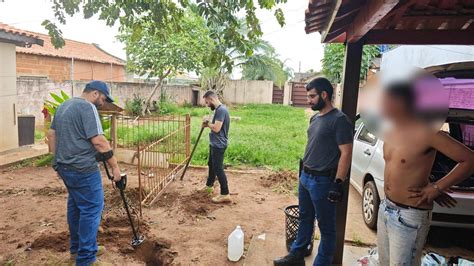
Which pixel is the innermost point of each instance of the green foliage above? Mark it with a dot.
(58, 99)
(39, 135)
(134, 107)
(333, 61)
(265, 65)
(166, 105)
(168, 50)
(45, 160)
(134, 14)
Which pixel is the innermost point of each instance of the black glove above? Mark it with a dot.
(122, 183)
(335, 193)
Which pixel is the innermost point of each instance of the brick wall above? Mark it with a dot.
(59, 69)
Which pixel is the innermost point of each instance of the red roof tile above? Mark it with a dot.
(71, 49)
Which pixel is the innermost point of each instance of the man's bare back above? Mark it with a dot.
(409, 158)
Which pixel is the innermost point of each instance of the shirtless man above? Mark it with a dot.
(409, 151)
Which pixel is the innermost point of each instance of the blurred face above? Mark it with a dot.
(393, 108)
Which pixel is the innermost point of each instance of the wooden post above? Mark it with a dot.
(188, 135)
(350, 93)
(113, 131)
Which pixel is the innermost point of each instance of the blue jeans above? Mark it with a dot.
(401, 234)
(84, 209)
(313, 203)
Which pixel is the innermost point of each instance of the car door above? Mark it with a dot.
(363, 151)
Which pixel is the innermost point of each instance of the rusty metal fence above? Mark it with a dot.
(158, 146)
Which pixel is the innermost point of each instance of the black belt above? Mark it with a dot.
(404, 206)
(330, 173)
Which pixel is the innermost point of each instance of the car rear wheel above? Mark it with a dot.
(370, 204)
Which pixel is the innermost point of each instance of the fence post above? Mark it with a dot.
(113, 131)
(139, 171)
(188, 135)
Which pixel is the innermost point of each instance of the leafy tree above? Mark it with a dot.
(165, 52)
(265, 65)
(333, 61)
(221, 16)
(158, 14)
(259, 61)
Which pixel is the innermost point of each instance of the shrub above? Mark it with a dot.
(166, 105)
(134, 107)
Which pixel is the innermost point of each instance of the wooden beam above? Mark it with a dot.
(465, 37)
(350, 93)
(330, 37)
(369, 15)
(334, 11)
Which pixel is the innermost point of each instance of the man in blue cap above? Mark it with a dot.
(75, 138)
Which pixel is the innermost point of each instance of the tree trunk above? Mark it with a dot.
(146, 109)
(158, 85)
(217, 84)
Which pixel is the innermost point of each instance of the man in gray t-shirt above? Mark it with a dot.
(218, 138)
(75, 137)
(325, 166)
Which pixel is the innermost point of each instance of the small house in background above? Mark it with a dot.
(10, 38)
(74, 61)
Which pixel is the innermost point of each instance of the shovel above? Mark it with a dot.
(192, 152)
(137, 239)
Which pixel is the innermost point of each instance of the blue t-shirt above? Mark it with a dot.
(76, 121)
(220, 139)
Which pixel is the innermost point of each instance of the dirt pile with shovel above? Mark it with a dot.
(115, 233)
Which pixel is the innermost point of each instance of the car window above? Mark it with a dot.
(366, 136)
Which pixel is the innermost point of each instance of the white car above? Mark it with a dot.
(367, 173)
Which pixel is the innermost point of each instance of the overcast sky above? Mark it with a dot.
(291, 41)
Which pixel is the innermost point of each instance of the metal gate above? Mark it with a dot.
(159, 146)
(277, 96)
(298, 94)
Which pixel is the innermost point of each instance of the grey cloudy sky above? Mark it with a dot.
(291, 42)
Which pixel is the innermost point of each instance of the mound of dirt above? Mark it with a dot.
(283, 181)
(198, 203)
(48, 191)
(58, 242)
(116, 236)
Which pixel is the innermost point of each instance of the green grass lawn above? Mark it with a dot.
(267, 135)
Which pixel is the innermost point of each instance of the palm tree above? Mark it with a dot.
(264, 64)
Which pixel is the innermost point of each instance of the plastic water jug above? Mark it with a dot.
(235, 244)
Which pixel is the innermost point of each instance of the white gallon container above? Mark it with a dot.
(235, 244)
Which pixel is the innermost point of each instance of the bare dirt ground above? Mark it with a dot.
(182, 227)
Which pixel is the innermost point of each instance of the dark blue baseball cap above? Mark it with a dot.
(102, 87)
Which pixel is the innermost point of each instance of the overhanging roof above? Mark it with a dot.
(18, 37)
(392, 21)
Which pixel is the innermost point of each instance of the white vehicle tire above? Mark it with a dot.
(370, 204)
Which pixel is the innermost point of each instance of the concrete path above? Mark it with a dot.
(263, 251)
(26, 152)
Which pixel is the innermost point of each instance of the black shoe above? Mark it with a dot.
(289, 260)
